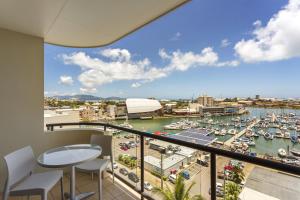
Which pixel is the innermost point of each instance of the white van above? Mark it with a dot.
(172, 178)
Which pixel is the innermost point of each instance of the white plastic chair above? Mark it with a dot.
(99, 165)
(22, 181)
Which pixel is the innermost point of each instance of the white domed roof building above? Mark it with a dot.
(143, 108)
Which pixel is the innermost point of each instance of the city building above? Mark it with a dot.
(189, 153)
(173, 162)
(88, 113)
(206, 100)
(143, 108)
(61, 116)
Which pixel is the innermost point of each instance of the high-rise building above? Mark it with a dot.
(205, 100)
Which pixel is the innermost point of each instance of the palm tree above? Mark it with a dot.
(232, 191)
(180, 192)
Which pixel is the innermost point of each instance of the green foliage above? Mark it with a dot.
(179, 193)
(237, 175)
(232, 191)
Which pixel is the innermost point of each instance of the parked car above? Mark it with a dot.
(185, 174)
(124, 148)
(202, 162)
(133, 177)
(123, 171)
(115, 165)
(172, 178)
(148, 186)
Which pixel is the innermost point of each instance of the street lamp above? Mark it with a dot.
(162, 152)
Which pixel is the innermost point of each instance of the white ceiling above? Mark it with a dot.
(81, 23)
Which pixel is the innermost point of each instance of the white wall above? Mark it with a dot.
(21, 98)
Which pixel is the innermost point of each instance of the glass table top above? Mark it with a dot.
(69, 155)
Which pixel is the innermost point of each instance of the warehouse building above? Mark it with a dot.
(174, 162)
(143, 108)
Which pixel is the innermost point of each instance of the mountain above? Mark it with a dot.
(83, 97)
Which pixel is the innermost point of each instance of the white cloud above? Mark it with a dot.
(120, 66)
(136, 85)
(182, 61)
(116, 54)
(279, 39)
(88, 90)
(225, 43)
(176, 36)
(65, 80)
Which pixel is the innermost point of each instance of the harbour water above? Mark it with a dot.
(262, 146)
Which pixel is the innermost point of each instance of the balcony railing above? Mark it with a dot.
(290, 169)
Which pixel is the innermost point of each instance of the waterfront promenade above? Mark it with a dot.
(230, 140)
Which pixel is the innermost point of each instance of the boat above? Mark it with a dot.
(126, 125)
(294, 139)
(282, 152)
(295, 152)
(268, 136)
(232, 132)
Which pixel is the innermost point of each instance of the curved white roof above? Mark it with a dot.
(142, 105)
(81, 23)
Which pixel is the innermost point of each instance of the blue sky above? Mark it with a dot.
(181, 55)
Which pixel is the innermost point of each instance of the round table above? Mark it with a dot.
(70, 156)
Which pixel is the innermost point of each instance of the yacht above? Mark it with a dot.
(268, 136)
(282, 152)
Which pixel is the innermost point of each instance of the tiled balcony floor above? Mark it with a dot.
(111, 191)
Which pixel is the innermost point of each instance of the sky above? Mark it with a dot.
(234, 48)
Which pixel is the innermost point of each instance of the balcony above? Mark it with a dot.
(207, 178)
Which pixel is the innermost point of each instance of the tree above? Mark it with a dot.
(232, 191)
(237, 174)
(180, 192)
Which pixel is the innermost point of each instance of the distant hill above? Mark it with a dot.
(84, 97)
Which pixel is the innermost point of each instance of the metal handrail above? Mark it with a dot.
(213, 150)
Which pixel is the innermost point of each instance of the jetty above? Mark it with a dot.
(241, 133)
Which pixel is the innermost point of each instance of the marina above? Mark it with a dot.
(255, 132)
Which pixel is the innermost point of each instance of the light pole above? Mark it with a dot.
(162, 152)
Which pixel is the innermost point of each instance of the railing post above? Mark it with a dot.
(213, 177)
(104, 128)
(52, 128)
(142, 165)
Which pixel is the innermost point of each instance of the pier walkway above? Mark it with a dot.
(229, 141)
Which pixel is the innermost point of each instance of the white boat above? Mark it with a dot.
(268, 136)
(232, 132)
(282, 152)
(126, 125)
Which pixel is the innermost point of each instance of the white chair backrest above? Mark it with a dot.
(105, 142)
(20, 164)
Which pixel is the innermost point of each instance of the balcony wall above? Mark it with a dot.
(22, 96)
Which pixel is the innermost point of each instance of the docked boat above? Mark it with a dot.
(282, 152)
(295, 152)
(268, 136)
(232, 132)
(126, 125)
(294, 139)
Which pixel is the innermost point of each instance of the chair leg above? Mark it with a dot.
(6, 191)
(113, 172)
(62, 188)
(99, 186)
